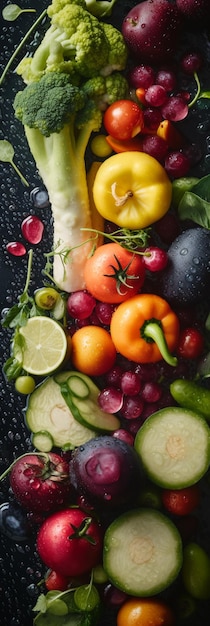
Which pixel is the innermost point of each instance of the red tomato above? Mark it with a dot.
(56, 582)
(40, 482)
(70, 542)
(191, 343)
(123, 119)
(113, 274)
(181, 501)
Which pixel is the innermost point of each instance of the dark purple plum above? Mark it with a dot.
(151, 30)
(106, 470)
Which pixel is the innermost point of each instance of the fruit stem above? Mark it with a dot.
(120, 200)
(194, 100)
(37, 454)
(80, 531)
(152, 330)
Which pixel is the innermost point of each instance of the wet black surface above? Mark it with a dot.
(20, 568)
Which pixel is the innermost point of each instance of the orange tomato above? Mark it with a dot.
(113, 274)
(93, 352)
(145, 612)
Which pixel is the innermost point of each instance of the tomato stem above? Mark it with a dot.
(120, 200)
(152, 330)
(42, 454)
(80, 531)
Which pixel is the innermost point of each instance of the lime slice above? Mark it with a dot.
(45, 345)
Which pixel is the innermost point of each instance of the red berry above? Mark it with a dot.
(181, 501)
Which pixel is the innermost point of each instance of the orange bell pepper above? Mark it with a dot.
(133, 144)
(144, 329)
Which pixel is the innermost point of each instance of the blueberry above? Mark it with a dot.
(13, 522)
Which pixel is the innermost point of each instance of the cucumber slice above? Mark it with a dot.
(81, 396)
(174, 447)
(42, 441)
(142, 552)
(78, 386)
(47, 411)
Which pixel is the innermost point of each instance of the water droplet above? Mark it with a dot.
(40, 198)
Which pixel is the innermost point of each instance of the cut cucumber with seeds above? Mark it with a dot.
(174, 447)
(81, 396)
(47, 411)
(142, 552)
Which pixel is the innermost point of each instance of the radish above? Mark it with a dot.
(151, 30)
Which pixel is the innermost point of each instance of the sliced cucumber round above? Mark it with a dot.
(174, 447)
(43, 441)
(142, 552)
(47, 411)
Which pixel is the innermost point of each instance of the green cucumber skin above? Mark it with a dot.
(190, 395)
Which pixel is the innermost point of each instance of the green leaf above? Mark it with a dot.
(7, 155)
(41, 604)
(12, 11)
(12, 368)
(195, 204)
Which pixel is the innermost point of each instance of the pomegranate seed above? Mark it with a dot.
(32, 229)
(16, 248)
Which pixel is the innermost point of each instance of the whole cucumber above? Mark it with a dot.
(191, 395)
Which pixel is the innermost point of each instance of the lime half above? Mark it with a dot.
(45, 345)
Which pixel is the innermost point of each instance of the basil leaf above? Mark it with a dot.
(195, 204)
(12, 368)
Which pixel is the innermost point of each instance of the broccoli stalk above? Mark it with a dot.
(59, 110)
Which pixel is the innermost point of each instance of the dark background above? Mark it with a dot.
(20, 568)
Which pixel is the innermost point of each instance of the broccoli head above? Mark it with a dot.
(49, 103)
(76, 43)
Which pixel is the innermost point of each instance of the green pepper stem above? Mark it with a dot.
(153, 330)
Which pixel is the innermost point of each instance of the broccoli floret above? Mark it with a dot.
(105, 90)
(49, 103)
(117, 57)
(78, 44)
(99, 8)
(57, 5)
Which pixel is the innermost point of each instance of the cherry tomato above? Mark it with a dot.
(70, 542)
(93, 351)
(196, 571)
(181, 501)
(55, 581)
(145, 612)
(123, 119)
(113, 274)
(191, 343)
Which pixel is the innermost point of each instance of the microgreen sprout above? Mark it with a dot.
(21, 44)
(6, 156)
(12, 11)
(131, 240)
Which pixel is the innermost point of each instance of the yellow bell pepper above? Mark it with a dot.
(132, 190)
